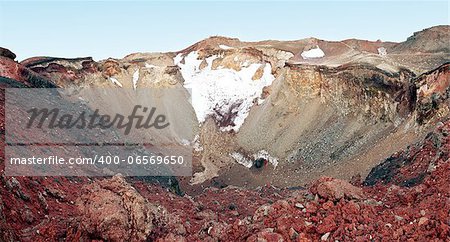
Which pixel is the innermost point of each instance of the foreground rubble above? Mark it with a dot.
(330, 209)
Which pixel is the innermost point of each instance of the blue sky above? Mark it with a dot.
(116, 28)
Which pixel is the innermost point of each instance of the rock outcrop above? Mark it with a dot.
(433, 92)
(7, 53)
(113, 210)
(335, 189)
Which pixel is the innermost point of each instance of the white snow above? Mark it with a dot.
(313, 53)
(225, 47)
(197, 145)
(115, 81)
(239, 158)
(135, 78)
(219, 92)
(382, 51)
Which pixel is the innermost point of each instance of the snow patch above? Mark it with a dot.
(313, 53)
(115, 81)
(135, 79)
(197, 145)
(225, 47)
(241, 159)
(222, 93)
(382, 51)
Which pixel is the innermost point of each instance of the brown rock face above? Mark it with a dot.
(358, 89)
(112, 210)
(433, 91)
(7, 53)
(62, 71)
(110, 68)
(434, 39)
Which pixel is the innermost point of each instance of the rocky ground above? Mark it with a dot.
(386, 206)
(353, 146)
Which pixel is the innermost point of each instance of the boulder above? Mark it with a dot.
(335, 189)
(114, 211)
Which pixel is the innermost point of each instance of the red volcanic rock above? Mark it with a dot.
(89, 66)
(113, 210)
(266, 236)
(7, 53)
(351, 208)
(172, 238)
(11, 69)
(328, 224)
(22, 76)
(335, 189)
(62, 71)
(410, 167)
(108, 207)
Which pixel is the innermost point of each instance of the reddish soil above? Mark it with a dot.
(44, 209)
